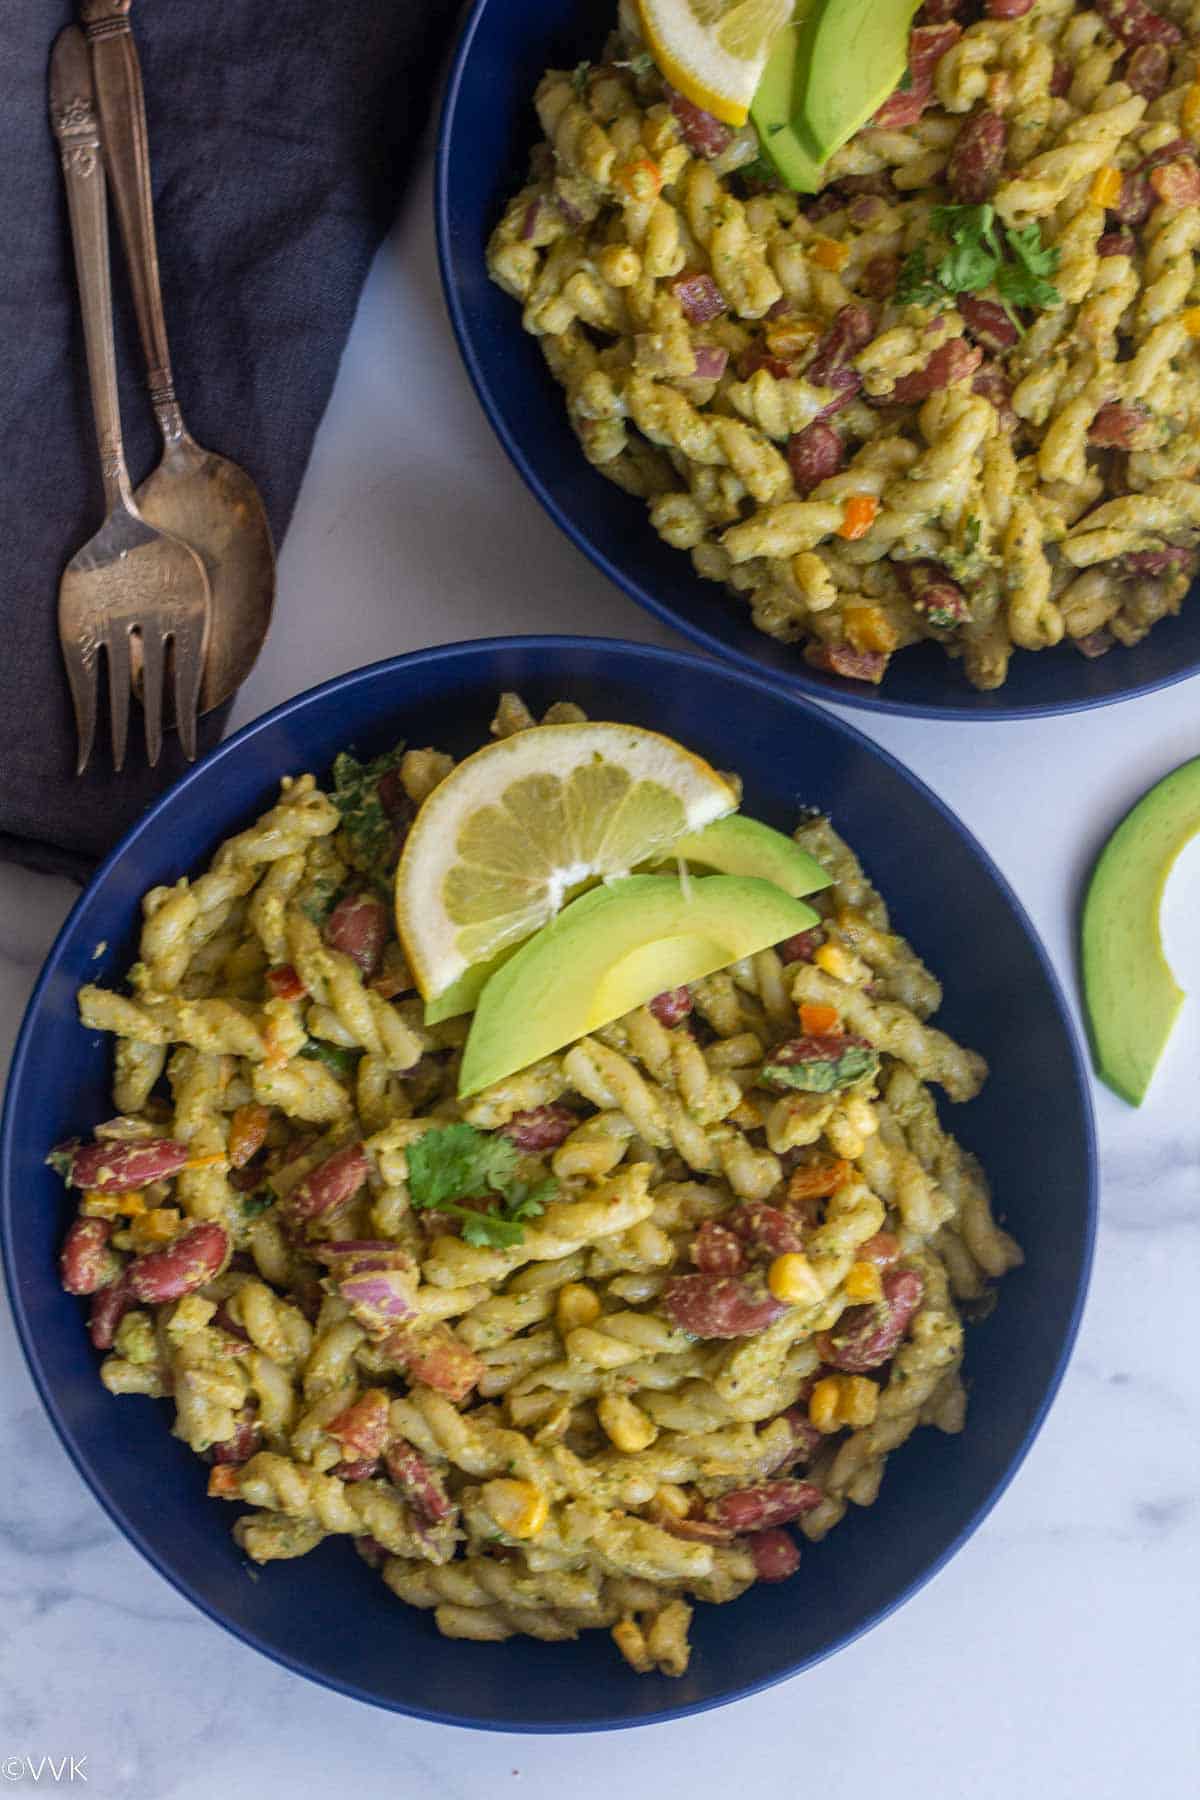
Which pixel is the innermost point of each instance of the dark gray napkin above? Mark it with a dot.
(281, 137)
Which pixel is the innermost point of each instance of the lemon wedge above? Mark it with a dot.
(523, 824)
(714, 51)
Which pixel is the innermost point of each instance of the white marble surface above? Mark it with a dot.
(1058, 1653)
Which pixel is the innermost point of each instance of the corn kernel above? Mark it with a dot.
(791, 1279)
(152, 1229)
(827, 253)
(625, 1424)
(519, 1508)
(1189, 112)
(839, 1400)
(223, 1482)
(746, 1115)
(823, 1404)
(790, 336)
(577, 1304)
(1106, 186)
(869, 628)
(672, 1501)
(1191, 321)
(842, 964)
(863, 1283)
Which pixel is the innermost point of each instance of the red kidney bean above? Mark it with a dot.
(801, 948)
(245, 1442)
(362, 1428)
(331, 1184)
(817, 1046)
(940, 12)
(358, 927)
(181, 1267)
(698, 295)
(672, 1006)
(379, 1298)
(284, 983)
(720, 1306)
(393, 796)
(805, 1436)
(1177, 184)
(224, 1321)
(1167, 153)
(766, 1228)
(880, 275)
(1117, 243)
(86, 1262)
(361, 1468)
(927, 44)
(866, 1336)
(247, 1134)
(1096, 643)
(851, 330)
(1148, 71)
(775, 1554)
(357, 1256)
(437, 1359)
(529, 222)
(1134, 22)
(710, 362)
(419, 1481)
(990, 380)
(987, 322)
(1157, 562)
(841, 659)
(1135, 202)
(715, 1250)
(703, 133)
(1116, 425)
(541, 1128)
(110, 1167)
(845, 384)
(934, 595)
(770, 1503)
(1008, 9)
(757, 357)
(814, 454)
(881, 1249)
(371, 1551)
(878, 185)
(977, 159)
(952, 361)
(698, 1531)
(108, 1308)
(1060, 80)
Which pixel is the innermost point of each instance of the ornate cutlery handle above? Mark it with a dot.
(73, 117)
(118, 77)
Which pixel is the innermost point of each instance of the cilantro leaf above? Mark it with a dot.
(368, 831)
(980, 255)
(457, 1162)
(1023, 282)
(915, 285)
(973, 257)
(260, 1201)
(579, 77)
(343, 1062)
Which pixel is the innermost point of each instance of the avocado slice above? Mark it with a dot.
(1130, 995)
(739, 846)
(775, 109)
(461, 995)
(614, 949)
(852, 55)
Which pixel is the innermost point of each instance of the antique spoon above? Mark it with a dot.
(203, 498)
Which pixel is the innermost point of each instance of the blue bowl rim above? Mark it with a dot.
(846, 694)
(232, 746)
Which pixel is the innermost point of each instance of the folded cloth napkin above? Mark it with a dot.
(281, 138)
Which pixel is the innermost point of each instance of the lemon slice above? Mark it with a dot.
(518, 827)
(714, 51)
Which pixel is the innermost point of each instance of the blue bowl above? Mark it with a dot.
(327, 1616)
(488, 126)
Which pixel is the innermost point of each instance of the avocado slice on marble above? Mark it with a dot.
(1130, 994)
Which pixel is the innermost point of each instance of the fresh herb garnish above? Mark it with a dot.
(981, 253)
(61, 1158)
(258, 1202)
(459, 1163)
(579, 76)
(343, 1062)
(368, 831)
(641, 65)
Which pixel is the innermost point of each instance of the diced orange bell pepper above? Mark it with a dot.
(817, 1180)
(869, 628)
(1106, 186)
(858, 516)
(641, 180)
(818, 1020)
(828, 253)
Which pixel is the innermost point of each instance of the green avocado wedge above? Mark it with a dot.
(736, 845)
(775, 110)
(1131, 997)
(613, 949)
(461, 995)
(852, 54)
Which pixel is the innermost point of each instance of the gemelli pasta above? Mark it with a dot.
(725, 1283)
(953, 396)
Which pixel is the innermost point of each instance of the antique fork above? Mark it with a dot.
(130, 578)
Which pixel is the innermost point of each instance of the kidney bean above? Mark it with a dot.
(331, 1184)
(829, 200)
(437, 1359)
(719, 1306)
(866, 1336)
(710, 363)
(801, 948)
(840, 659)
(805, 1436)
(246, 1440)
(977, 159)
(990, 380)
(379, 1298)
(927, 44)
(357, 1256)
(672, 1006)
(360, 1468)
(1095, 644)
(1116, 425)
(1134, 22)
(1117, 243)
(371, 1551)
(541, 1127)
(363, 1428)
(224, 1321)
(1135, 202)
(181, 1267)
(698, 1531)
(845, 383)
(880, 275)
(247, 1134)
(934, 595)
(1148, 71)
(771, 1503)
(1167, 153)
(393, 795)
(881, 1249)
(419, 1481)
(775, 1554)
(284, 983)
(814, 454)
(1060, 79)
(766, 1228)
(987, 322)
(703, 133)
(698, 295)
(358, 927)
(715, 1250)
(940, 12)
(1008, 9)
(851, 330)
(1157, 562)
(817, 1046)
(757, 357)
(952, 361)
(108, 1308)
(110, 1167)
(1177, 184)
(86, 1263)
